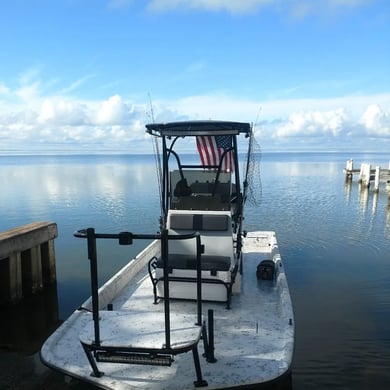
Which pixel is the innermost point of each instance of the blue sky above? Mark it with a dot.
(78, 75)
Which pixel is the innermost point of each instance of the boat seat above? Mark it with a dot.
(216, 237)
(209, 263)
(199, 222)
(218, 263)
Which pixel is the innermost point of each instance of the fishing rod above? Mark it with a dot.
(157, 159)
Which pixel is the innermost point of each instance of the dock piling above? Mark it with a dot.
(376, 180)
(367, 174)
(349, 170)
(27, 260)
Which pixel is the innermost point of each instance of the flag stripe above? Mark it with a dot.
(211, 149)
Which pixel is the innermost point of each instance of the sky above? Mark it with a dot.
(85, 76)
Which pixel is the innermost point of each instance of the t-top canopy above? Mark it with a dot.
(195, 128)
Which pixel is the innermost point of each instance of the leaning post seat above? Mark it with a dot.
(218, 262)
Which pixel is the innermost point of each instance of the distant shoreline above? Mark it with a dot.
(13, 153)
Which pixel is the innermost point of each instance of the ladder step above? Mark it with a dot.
(134, 358)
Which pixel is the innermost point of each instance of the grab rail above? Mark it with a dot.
(126, 238)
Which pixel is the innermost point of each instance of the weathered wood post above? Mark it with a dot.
(387, 175)
(349, 169)
(27, 260)
(377, 177)
(361, 172)
(365, 173)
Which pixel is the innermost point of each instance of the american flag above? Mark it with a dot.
(211, 148)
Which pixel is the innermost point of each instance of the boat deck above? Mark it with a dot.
(128, 329)
(253, 340)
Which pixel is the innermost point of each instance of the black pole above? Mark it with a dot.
(165, 189)
(92, 256)
(164, 256)
(210, 351)
(199, 278)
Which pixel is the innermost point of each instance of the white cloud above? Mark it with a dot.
(29, 76)
(298, 123)
(298, 8)
(376, 121)
(111, 111)
(115, 123)
(4, 90)
(72, 112)
(60, 111)
(29, 92)
(233, 6)
(314, 123)
(74, 85)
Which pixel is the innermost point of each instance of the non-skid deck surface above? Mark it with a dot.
(253, 340)
(140, 329)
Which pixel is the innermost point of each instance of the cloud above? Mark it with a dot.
(60, 122)
(314, 123)
(4, 90)
(376, 121)
(297, 8)
(73, 86)
(111, 111)
(233, 6)
(29, 76)
(60, 111)
(30, 120)
(29, 92)
(294, 124)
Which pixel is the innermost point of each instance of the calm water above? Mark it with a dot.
(334, 238)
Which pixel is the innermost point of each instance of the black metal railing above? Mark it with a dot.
(126, 238)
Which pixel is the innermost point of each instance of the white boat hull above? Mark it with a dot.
(254, 340)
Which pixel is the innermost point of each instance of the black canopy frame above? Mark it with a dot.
(176, 130)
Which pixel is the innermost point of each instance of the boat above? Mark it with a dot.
(206, 303)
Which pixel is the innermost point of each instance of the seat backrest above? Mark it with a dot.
(215, 230)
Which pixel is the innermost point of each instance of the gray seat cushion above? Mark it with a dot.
(209, 263)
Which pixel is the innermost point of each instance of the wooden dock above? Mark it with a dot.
(27, 260)
(367, 174)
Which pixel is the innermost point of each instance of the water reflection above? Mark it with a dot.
(334, 241)
(374, 202)
(25, 326)
(110, 193)
(347, 190)
(363, 198)
(35, 190)
(369, 199)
